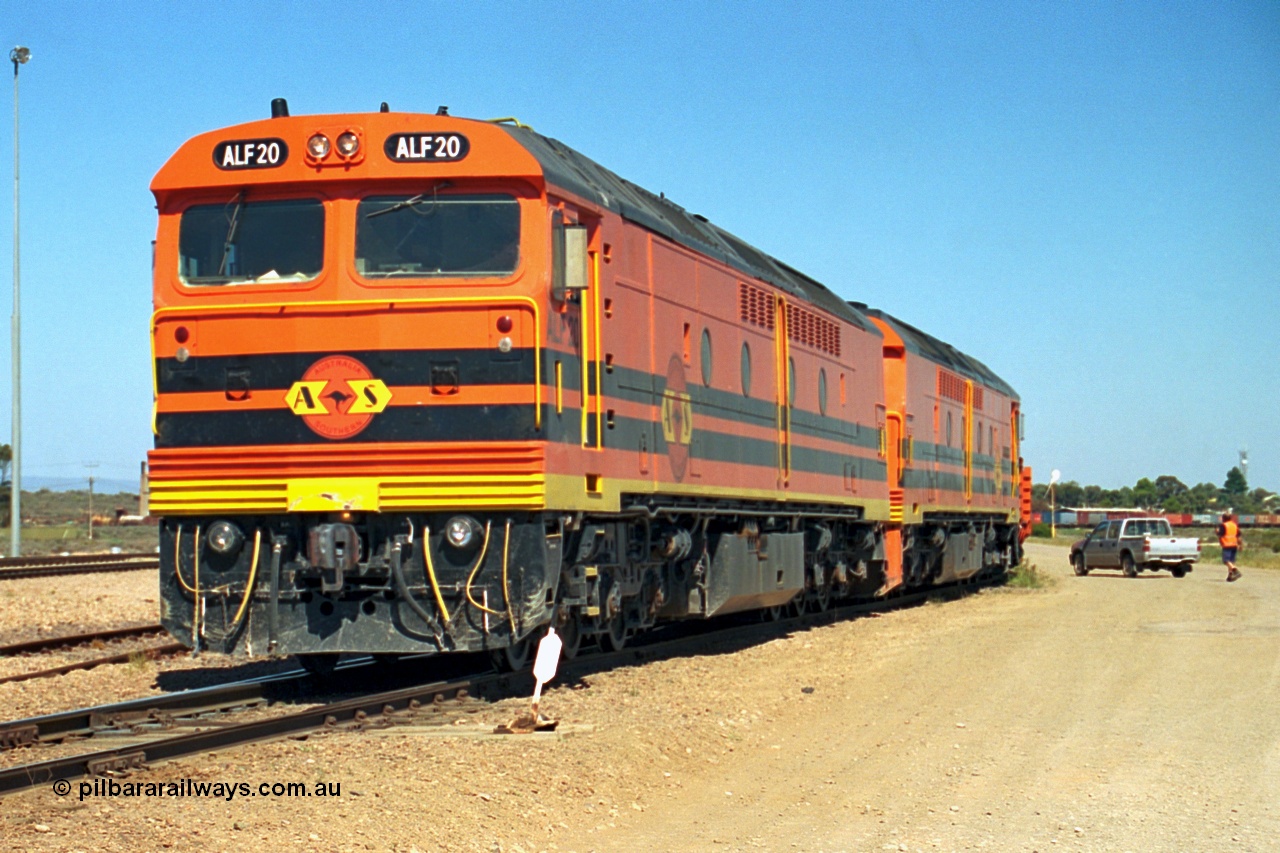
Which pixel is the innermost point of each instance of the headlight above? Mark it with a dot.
(461, 531)
(318, 146)
(348, 144)
(224, 537)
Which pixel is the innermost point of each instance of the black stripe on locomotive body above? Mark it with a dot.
(274, 373)
(278, 371)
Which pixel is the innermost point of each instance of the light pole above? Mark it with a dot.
(1054, 476)
(19, 56)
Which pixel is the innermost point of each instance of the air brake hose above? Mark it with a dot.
(506, 590)
(397, 572)
(431, 572)
(484, 549)
(199, 632)
(253, 575)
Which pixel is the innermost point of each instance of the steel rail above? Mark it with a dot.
(146, 653)
(29, 646)
(358, 712)
(31, 567)
(50, 728)
(383, 709)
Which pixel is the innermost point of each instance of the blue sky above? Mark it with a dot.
(1085, 196)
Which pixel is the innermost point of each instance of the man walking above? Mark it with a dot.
(1229, 539)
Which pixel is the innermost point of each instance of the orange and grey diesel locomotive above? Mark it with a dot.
(425, 383)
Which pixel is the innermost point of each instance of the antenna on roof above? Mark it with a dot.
(279, 108)
(442, 110)
(384, 108)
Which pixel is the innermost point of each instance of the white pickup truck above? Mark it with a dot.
(1134, 545)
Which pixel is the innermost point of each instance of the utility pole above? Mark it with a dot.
(18, 56)
(91, 466)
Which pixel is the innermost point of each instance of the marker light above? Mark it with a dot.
(318, 146)
(348, 144)
(460, 531)
(504, 324)
(225, 537)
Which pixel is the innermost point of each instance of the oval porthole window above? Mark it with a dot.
(791, 382)
(746, 370)
(822, 391)
(706, 357)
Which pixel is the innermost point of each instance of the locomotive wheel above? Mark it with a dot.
(772, 614)
(570, 637)
(796, 606)
(822, 596)
(614, 637)
(514, 657)
(1127, 565)
(1077, 563)
(319, 667)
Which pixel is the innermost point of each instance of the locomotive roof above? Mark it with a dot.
(941, 352)
(564, 167)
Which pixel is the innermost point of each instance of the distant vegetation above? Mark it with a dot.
(53, 522)
(1164, 494)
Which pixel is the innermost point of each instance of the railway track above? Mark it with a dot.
(148, 717)
(45, 644)
(76, 564)
(30, 647)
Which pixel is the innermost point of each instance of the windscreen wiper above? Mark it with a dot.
(230, 239)
(410, 202)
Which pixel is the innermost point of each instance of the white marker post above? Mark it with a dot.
(544, 665)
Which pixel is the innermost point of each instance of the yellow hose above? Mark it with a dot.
(484, 549)
(506, 594)
(177, 556)
(431, 572)
(253, 575)
(199, 614)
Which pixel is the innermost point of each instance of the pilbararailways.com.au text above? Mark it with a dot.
(191, 788)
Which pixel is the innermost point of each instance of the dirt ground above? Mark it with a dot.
(1099, 713)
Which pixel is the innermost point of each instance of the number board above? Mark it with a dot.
(250, 153)
(426, 147)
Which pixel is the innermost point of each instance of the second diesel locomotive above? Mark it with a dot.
(430, 384)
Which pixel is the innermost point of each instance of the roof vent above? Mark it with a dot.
(442, 110)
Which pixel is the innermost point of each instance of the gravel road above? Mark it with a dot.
(1103, 713)
(1098, 713)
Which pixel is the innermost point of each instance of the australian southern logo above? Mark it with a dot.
(337, 397)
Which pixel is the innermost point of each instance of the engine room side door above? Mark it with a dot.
(784, 374)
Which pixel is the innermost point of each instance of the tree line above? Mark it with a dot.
(1163, 494)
